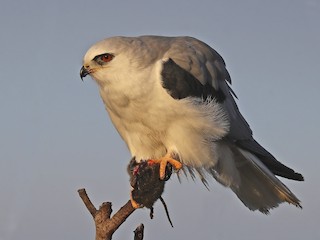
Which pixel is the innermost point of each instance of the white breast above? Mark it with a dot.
(152, 123)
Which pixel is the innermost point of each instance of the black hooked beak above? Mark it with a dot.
(83, 72)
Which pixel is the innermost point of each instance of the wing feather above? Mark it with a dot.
(195, 69)
(207, 67)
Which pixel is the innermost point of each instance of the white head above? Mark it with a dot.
(103, 59)
(114, 59)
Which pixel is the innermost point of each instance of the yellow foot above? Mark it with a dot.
(134, 203)
(163, 163)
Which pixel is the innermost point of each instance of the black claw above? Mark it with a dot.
(168, 172)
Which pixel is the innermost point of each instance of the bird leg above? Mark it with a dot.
(177, 165)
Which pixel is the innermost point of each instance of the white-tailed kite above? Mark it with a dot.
(170, 100)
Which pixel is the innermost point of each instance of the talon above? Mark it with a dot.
(163, 163)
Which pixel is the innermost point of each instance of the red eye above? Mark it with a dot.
(103, 58)
(106, 57)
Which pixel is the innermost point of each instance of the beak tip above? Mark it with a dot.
(83, 73)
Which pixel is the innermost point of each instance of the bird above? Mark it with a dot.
(171, 101)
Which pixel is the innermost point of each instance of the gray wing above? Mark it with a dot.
(208, 68)
(195, 69)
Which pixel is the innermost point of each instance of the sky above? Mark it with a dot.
(55, 136)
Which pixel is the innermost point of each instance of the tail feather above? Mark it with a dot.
(255, 185)
(268, 160)
(259, 188)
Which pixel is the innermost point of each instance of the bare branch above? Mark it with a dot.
(91, 208)
(138, 233)
(106, 226)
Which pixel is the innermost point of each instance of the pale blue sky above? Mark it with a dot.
(55, 135)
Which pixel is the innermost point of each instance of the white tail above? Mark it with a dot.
(255, 185)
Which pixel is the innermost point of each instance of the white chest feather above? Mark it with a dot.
(152, 123)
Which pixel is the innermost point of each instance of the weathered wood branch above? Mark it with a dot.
(138, 233)
(105, 224)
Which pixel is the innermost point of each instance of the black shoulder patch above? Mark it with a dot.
(181, 84)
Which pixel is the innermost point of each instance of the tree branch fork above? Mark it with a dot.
(106, 224)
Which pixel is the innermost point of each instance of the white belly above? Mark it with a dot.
(153, 127)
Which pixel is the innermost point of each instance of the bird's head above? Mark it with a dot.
(115, 59)
(106, 60)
